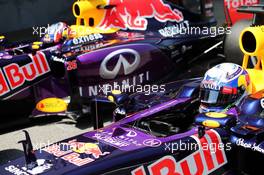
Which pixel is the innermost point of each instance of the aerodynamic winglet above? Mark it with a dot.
(30, 157)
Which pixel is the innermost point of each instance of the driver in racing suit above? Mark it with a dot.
(221, 90)
(223, 87)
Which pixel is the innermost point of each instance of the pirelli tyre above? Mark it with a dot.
(231, 44)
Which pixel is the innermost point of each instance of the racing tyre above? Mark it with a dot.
(231, 44)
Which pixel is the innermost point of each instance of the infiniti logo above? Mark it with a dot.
(262, 103)
(122, 61)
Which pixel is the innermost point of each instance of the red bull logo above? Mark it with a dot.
(203, 161)
(13, 76)
(87, 148)
(73, 150)
(133, 14)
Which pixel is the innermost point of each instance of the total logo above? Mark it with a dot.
(238, 3)
(14, 76)
(203, 161)
(122, 56)
(52, 105)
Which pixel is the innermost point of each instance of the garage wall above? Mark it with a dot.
(219, 11)
(21, 14)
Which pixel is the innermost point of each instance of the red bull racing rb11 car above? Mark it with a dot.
(113, 43)
(141, 143)
(209, 125)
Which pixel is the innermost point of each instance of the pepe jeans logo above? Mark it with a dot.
(252, 146)
(122, 61)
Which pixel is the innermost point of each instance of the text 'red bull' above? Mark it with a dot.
(133, 14)
(203, 161)
(14, 76)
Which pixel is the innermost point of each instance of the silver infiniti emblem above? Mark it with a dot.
(128, 67)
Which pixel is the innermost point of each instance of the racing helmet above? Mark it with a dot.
(222, 86)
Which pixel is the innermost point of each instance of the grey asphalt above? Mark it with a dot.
(41, 135)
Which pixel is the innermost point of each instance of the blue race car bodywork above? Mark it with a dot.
(143, 142)
(75, 69)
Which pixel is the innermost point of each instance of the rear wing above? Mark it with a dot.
(231, 13)
(256, 10)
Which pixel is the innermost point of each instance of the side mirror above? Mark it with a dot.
(119, 113)
(2, 42)
(119, 98)
(2, 38)
(214, 120)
